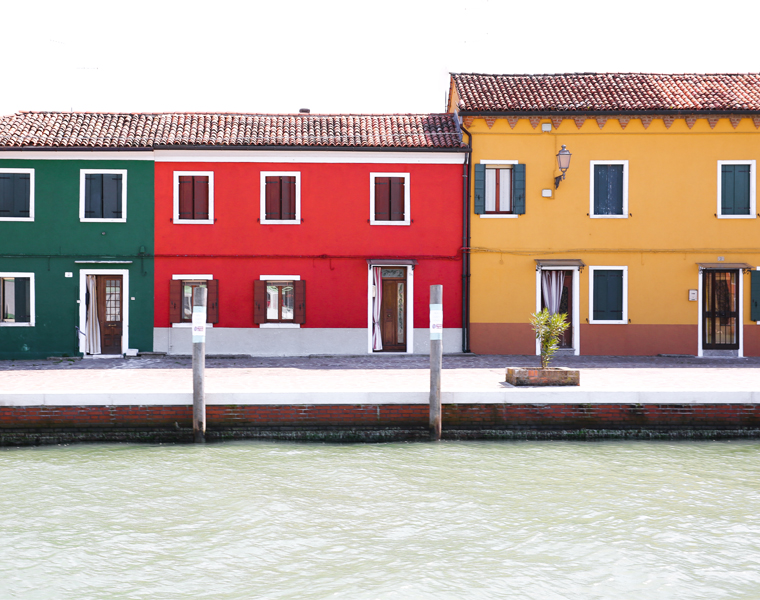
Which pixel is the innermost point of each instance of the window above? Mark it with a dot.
(17, 194)
(389, 199)
(499, 189)
(609, 189)
(17, 299)
(736, 189)
(103, 196)
(608, 291)
(280, 198)
(279, 301)
(194, 197)
(181, 298)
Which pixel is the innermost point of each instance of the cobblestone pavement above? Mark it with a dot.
(369, 373)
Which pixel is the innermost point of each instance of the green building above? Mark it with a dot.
(76, 240)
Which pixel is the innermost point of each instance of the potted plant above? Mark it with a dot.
(548, 328)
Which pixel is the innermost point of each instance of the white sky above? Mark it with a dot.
(334, 56)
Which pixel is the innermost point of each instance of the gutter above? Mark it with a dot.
(580, 113)
(249, 148)
(466, 178)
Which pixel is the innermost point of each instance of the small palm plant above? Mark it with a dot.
(548, 327)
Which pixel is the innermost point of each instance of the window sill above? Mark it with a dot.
(189, 325)
(177, 221)
(4, 324)
(609, 216)
(736, 216)
(280, 325)
(280, 221)
(597, 322)
(396, 223)
(498, 216)
(28, 219)
(84, 220)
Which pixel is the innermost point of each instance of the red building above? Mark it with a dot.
(314, 234)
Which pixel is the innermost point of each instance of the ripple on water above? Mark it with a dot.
(543, 520)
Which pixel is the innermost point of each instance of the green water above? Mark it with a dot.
(543, 520)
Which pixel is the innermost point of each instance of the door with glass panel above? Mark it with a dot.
(110, 307)
(720, 310)
(393, 311)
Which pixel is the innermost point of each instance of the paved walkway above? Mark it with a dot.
(372, 379)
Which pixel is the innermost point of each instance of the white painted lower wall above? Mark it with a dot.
(256, 341)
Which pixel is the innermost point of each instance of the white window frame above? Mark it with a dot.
(499, 162)
(593, 163)
(83, 173)
(263, 206)
(409, 307)
(407, 199)
(575, 318)
(210, 220)
(30, 172)
(83, 273)
(591, 320)
(32, 311)
(752, 188)
(280, 278)
(184, 277)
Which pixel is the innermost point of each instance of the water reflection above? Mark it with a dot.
(453, 520)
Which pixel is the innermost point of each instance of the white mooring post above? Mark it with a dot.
(200, 296)
(436, 359)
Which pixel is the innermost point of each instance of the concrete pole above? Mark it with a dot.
(200, 296)
(436, 359)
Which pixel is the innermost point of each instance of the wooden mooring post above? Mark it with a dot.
(436, 359)
(200, 297)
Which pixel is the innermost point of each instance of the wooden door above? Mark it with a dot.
(109, 289)
(393, 313)
(720, 310)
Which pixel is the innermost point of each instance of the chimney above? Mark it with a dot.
(304, 111)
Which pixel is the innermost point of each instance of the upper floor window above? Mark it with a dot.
(389, 199)
(103, 195)
(17, 299)
(194, 197)
(499, 189)
(609, 189)
(736, 189)
(16, 194)
(280, 198)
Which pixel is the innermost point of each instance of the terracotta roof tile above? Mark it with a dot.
(143, 130)
(598, 92)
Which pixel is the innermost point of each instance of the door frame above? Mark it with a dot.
(576, 316)
(739, 319)
(409, 306)
(83, 273)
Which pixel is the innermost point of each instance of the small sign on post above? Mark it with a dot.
(200, 296)
(436, 359)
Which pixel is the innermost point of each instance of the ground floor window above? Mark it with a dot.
(608, 293)
(16, 299)
(279, 299)
(181, 298)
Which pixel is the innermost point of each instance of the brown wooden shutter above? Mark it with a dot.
(289, 198)
(200, 197)
(273, 196)
(259, 301)
(397, 198)
(185, 197)
(382, 199)
(175, 301)
(299, 311)
(212, 310)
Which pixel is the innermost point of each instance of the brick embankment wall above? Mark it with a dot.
(64, 424)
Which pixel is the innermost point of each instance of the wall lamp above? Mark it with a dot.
(563, 160)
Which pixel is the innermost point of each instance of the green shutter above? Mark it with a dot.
(518, 189)
(608, 295)
(23, 300)
(734, 189)
(608, 189)
(754, 302)
(727, 192)
(479, 201)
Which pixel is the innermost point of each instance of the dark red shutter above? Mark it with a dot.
(397, 198)
(289, 198)
(212, 303)
(200, 197)
(185, 197)
(382, 199)
(259, 301)
(273, 196)
(175, 301)
(299, 310)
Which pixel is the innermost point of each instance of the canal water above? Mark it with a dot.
(543, 520)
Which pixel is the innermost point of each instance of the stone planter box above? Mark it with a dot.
(539, 376)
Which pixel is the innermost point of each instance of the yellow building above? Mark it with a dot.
(651, 241)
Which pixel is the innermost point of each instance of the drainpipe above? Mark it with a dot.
(466, 178)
